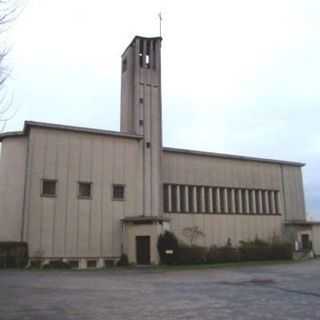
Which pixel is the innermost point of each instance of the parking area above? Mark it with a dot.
(288, 291)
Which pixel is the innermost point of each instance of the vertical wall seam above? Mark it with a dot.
(23, 213)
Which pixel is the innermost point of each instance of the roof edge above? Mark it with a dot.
(234, 157)
(11, 134)
(45, 125)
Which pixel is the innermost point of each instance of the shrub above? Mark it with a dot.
(192, 255)
(168, 242)
(226, 253)
(281, 250)
(13, 254)
(57, 264)
(261, 250)
(123, 261)
(254, 250)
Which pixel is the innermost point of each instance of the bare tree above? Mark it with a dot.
(9, 10)
(193, 234)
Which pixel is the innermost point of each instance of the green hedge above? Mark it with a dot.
(223, 254)
(168, 248)
(256, 250)
(13, 254)
(191, 255)
(261, 250)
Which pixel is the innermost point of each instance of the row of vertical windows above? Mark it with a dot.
(49, 189)
(204, 199)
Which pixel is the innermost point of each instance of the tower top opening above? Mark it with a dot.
(133, 41)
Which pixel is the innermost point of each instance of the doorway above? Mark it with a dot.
(305, 239)
(143, 249)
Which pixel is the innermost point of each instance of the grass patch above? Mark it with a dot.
(225, 265)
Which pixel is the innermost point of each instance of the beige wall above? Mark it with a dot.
(12, 176)
(218, 227)
(292, 188)
(316, 239)
(66, 226)
(211, 171)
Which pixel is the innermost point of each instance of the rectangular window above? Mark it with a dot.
(264, 202)
(258, 201)
(207, 199)
(191, 199)
(271, 201)
(118, 192)
(222, 200)
(84, 190)
(183, 199)
(174, 198)
(49, 188)
(244, 201)
(277, 204)
(199, 202)
(165, 198)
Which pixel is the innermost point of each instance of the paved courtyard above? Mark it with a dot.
(268, 292)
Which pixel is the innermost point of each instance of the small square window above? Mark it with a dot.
(84, 190)
(118, 192)
(49, 188)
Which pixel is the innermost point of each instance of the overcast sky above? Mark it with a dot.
(238, 77)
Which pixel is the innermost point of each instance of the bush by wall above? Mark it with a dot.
(191, 255)
(227, 253)
(123, 261)
(261, 250)
(168, 248)
(13, 254)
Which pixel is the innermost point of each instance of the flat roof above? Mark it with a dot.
(34, 124)
(232, 156)
(118, 134)
(302, 222)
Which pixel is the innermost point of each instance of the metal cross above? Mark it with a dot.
(160, 20)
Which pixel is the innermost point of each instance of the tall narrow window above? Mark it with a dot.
(174, 198)
(191, 199)
(124, 65)
(165, 198)
(118, 192)
(199, 204)
(154, 56)
(141, 53)
(244, 201)
(183, 199)
(49, 188)
(277, 201)
(147, 56)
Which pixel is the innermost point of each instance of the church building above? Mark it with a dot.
(87, 195)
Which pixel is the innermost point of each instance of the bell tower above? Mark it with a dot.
(141, 111)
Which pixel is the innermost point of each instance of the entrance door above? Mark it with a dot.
(143, 249)
(305, 241)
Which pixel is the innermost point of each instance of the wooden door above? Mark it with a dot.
(143, 249)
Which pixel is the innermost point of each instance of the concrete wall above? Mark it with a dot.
(218, 228)
(293, 191)
(210, 171)
(66, 226)
(316, 239)
(12, 177)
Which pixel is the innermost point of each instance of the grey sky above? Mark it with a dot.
(238, 76)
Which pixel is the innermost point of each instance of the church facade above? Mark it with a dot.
(88, 195)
